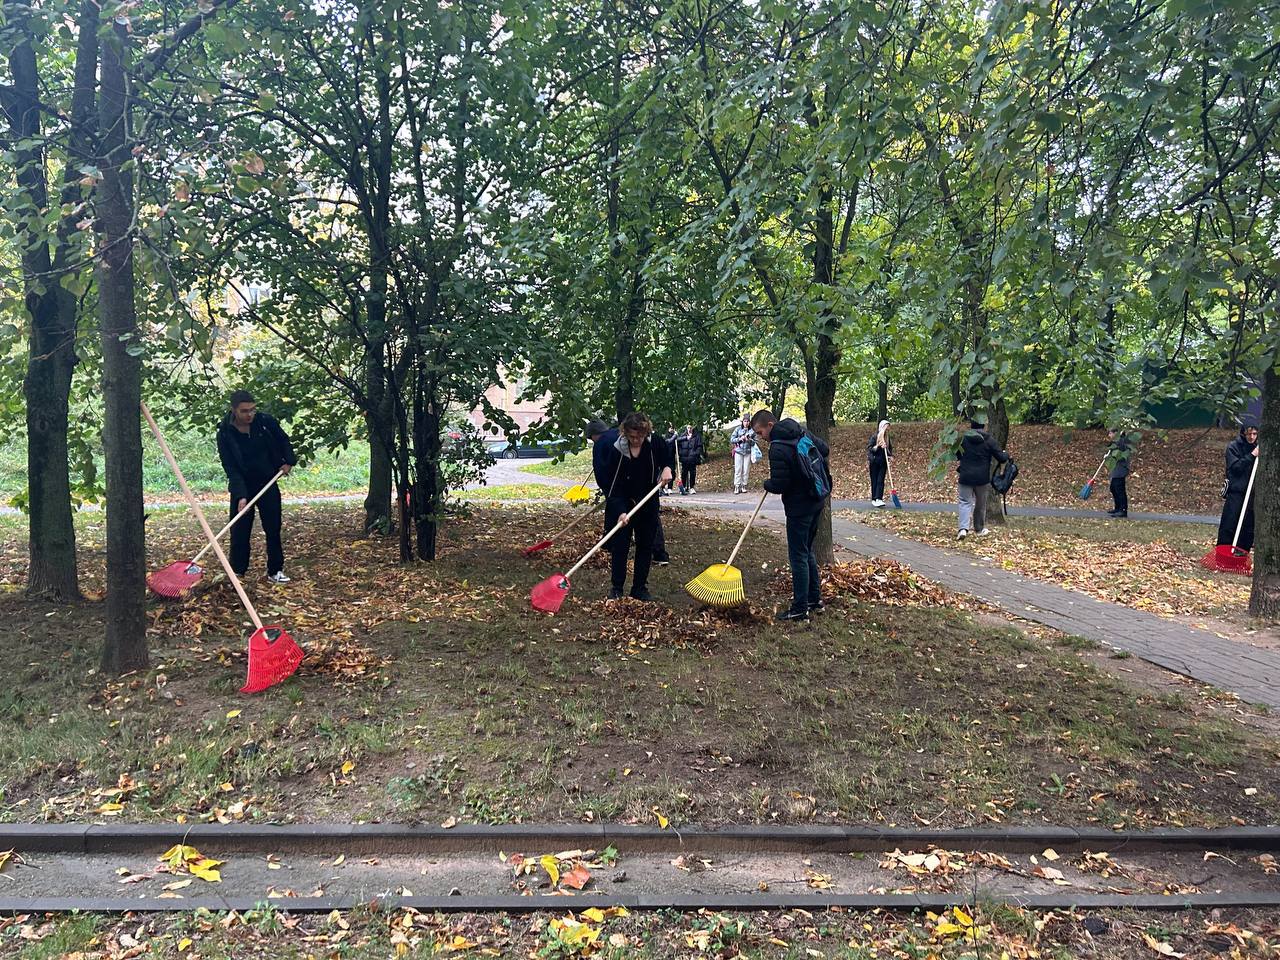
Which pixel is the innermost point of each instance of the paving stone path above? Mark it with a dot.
(1253, 673)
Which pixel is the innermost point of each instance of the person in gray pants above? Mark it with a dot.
(973, 475)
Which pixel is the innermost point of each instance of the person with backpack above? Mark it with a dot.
(743, 442)
(879, 453)
(1118, 455)
(689, 447)
(800, 473)
(1240, 457)
(627, 469)
(973, 477)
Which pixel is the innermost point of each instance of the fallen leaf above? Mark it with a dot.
(577, 878)
(347, 767)
(1050, 854)
(178, 884)
(1160, 946)
(232, 714)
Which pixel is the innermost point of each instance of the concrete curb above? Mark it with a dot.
(90, 838)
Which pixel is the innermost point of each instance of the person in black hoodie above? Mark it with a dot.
(252, 447)
(1241, 454)
(973, 469)
(626, 469)
(689, 446)
(602, 438)
(1118, 455)
(801, 504)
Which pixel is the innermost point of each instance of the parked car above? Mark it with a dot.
(506, 450)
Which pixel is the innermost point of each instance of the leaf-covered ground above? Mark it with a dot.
(1174, 471)
(1145, 565)
(434, 691)
(981, 931)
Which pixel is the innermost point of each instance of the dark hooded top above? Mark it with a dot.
(1240, 460)
(785, 474)
(251, 460)
(624, 477)
(879, 454)
(1118, 455)
(690, 448)
(977, 450)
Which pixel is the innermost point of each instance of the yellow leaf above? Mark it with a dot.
(662, 821)
(962, 917)
(342, 858)
(5, 857)
(347, 767)
(178, 884)
(232, 714)
(552, 866)
(206, 869)
(110, 808)
(183, 944)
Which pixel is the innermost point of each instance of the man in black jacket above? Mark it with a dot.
(252, 448)
(1118, 455)
(977, 450)
(801, 504)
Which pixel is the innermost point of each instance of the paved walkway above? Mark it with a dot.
(1253, 673)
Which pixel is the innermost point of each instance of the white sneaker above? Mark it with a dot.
(983, 532)
(278, 577)
(962, 534)
(877, 503)
(693, 490)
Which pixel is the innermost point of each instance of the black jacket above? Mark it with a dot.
(690, 448)
(624, 478)
(279, 451)
(879, 454)
(1118, 455)
(977, 450)
(785, 474)
(1239, 462)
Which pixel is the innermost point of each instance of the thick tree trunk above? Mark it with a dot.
(882, 391)
(821, 371)
(125, 645)
(426, 443)
(377, 502)
(1264, 599)
(998, 426)
(51, 357)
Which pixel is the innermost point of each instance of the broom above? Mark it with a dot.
(721, 585)
(1229, 559)
(543, 544)
(1087, 490)
(893, 489)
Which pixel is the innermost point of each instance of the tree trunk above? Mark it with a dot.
(426, 442)
(377, 502)
(998, 426)
(882, 390)
(125, 644)
(1264, 599)
(51, 357)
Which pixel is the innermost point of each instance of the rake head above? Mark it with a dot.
(578, 493)
(273, 656)
(535, 548)
(549, 595)
(1086, 491)
(175, 579)
(718, 586)
(1228, 559)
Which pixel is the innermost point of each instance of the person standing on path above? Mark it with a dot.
(977, 450)
(689, 447)
(1118, 455)
(602, 436)
(628, 468)
(801, 503)
(252, 448)
(879, 453)
(1241, 454)
(743, 443)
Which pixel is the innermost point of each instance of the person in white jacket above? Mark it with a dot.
(743, 442)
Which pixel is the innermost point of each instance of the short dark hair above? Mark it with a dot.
(762, 418)
(241, 396)
(596, 428)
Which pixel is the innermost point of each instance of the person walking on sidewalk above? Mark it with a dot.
(1241, 453)
(1118, 455)
(252, 448)
(879, 453)
(977, 451)
(628, 469)
(689, 446)
(602, 437)
(743, 442)
(798, 464)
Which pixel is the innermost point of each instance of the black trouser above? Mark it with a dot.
(268, 508)
(802, 528)
(1230, 517)
(688, 475)
(878, 470)
(644, 524)
(1119, 494)
(660, 542)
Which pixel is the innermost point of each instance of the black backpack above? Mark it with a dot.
(1004, 477)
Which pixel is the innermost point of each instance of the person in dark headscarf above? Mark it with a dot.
(1242, 453)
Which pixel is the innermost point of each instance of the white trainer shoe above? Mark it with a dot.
(279, 577)
(962, 534)
(983, 532)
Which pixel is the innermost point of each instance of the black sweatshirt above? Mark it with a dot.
(264, 432)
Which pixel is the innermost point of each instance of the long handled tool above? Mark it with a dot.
(579, 491)
(179, 577)
(273, 654)
(1230, 559)
(721, 585)
(548, 595)
(543, 544)
(893, 489)
(1087, 490)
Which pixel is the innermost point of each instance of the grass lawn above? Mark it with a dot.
(573, 467)
(434, 691)
(1002, 931)
(1142, 564)
(511, 491)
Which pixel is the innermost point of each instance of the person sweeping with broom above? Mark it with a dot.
(1240, 457)
(879, 453)
(628, 468)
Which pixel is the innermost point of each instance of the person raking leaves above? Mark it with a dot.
(252, 447)
(1235, 527)
(799, 472)
(628, 469)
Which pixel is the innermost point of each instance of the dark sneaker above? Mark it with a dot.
(615, 593)
(643, 595)
(817, 607)
(787, 615)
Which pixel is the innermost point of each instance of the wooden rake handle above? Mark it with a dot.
(1244, 504)
(195, 507)
(1102, 464)
(745, 530)
(616, 527)
(247, 507)
(577, 520)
